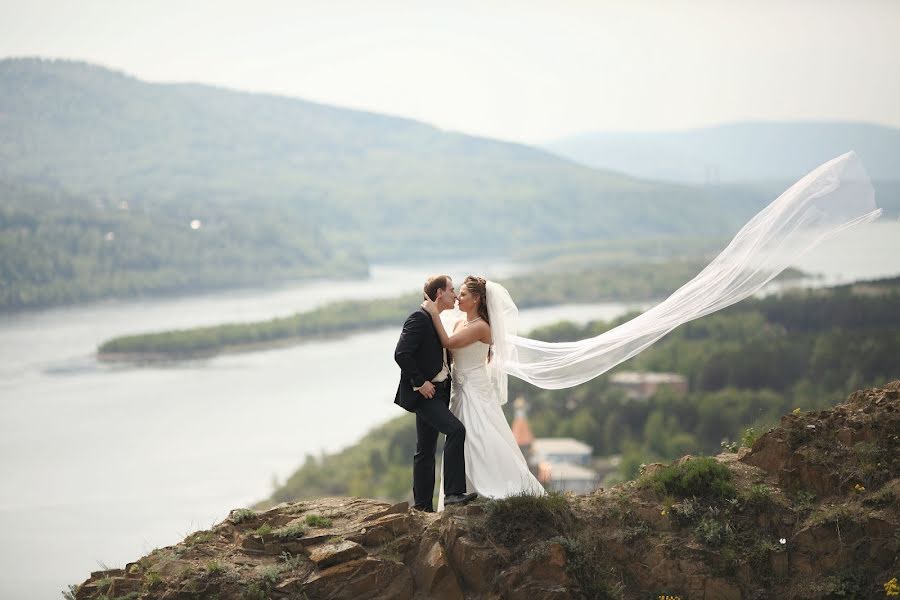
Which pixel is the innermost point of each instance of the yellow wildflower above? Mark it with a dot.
(859, 488)
(796, 411)
(891, 588)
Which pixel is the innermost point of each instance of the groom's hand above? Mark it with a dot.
(427, 389)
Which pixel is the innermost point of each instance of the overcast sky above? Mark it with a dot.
(525, 71)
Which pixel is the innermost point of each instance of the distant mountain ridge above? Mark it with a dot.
(737, 152)
(360, 176)
(101, 174)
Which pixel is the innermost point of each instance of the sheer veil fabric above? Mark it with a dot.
(835, 196)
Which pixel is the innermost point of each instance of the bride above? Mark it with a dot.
(495, 467)
(486, 348)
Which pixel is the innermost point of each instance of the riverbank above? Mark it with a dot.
(634, 282)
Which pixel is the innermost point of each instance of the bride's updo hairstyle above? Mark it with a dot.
(478, 286)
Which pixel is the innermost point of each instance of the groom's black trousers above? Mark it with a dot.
(433, 416)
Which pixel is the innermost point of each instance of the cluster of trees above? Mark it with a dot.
(286, 189)
(611, 282)
(283, 188)
(335, 318)
(57, 248)
(747, 366)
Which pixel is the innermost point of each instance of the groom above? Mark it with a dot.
(425, 390)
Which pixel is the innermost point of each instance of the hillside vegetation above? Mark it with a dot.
(747, 366)
(809, 512)
(283, 188)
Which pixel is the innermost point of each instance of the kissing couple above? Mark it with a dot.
(455, 383)
(452, 382)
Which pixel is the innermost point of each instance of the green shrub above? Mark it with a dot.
(702, 477)
(711, 532)
(758, 496)
(749, 438)
(514, 518)
(293, 530)
(242, 514)
(318, 521)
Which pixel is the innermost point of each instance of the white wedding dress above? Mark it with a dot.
(834, 197)
(495, 467)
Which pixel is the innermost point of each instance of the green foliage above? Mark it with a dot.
(318, 521)
(57, 248)
(284, 188)
(757, 497)
(293, 530)
(240, 515)
(701, 477)
(609, 283)
(264, 530)
(749, 438)
(516, 518)
(669, 425)
(711, 532)
(359, 470)
(886, 496)
(199, 537)
(804, 501)
(214, 567)
(151, 579)
(269, 575)
(746, 366)
(585, 562)
(290, 561)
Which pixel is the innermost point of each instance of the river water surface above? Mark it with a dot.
(101, 464)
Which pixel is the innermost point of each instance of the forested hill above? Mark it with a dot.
(378, 182)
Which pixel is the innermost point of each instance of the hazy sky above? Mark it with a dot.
(526, 71)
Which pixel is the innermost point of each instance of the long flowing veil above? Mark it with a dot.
(504, 316)
(833, 197)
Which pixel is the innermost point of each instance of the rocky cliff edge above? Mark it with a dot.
(810, 511)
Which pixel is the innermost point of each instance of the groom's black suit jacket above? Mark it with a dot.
(420, 356)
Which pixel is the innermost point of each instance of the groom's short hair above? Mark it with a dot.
(435, 283)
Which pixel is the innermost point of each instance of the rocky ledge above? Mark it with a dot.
(810, 511)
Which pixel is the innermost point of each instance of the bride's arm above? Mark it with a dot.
(462, 336)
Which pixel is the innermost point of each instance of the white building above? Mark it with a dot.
(561, 450)
(566, 477)
(562, 465)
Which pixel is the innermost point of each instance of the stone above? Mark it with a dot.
(329, 554)
(385, 529)
(433, 575)
(475, 564)
(401, 507)
(108, 573)
(363, 579)
(719, 589)
(122, 586)
(845, 436)
(780, 564)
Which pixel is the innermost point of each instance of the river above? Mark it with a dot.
(101, 464)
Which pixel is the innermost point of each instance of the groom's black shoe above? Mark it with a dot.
(426, 509)
(459, 499)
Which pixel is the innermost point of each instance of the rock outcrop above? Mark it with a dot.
(810, 511)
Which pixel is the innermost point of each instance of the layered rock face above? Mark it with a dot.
(810, 511)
